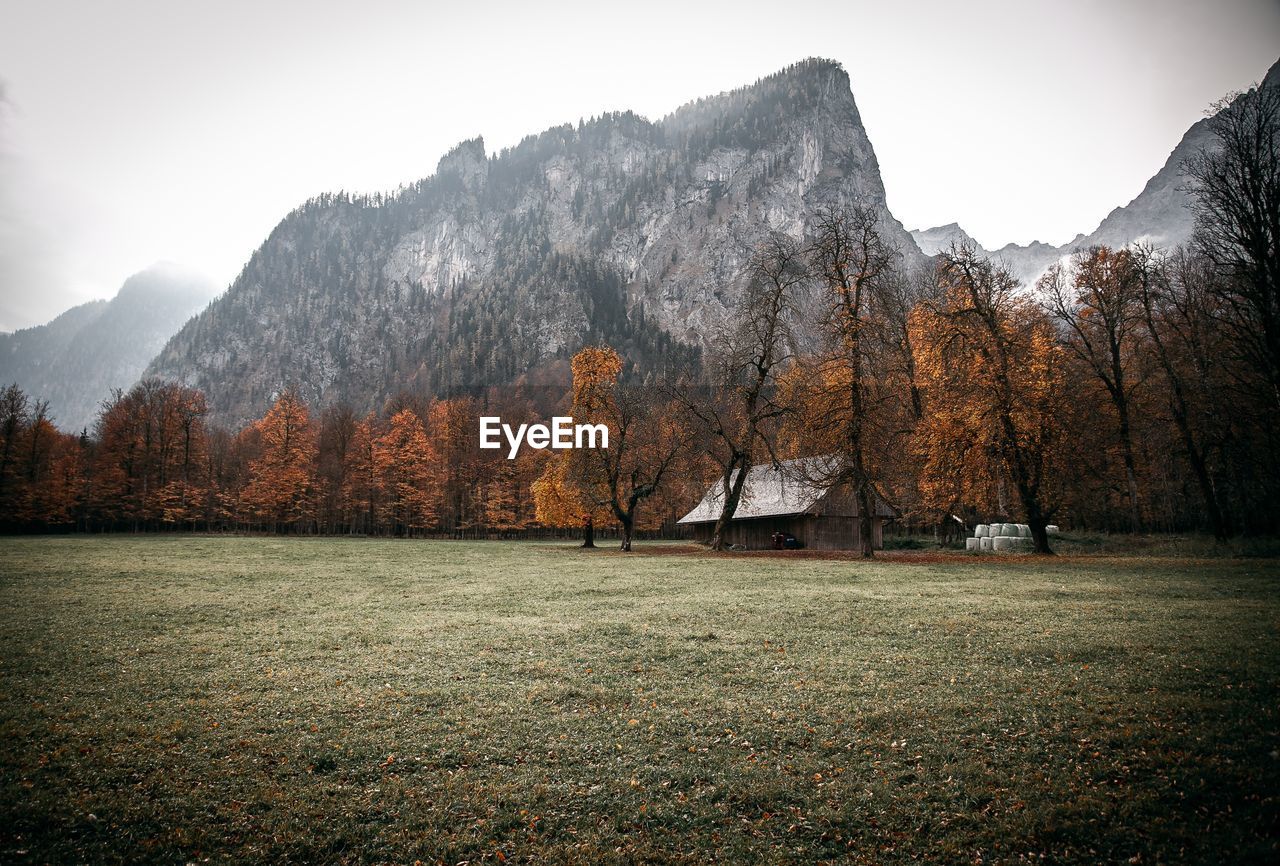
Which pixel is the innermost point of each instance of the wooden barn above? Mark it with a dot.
(786, 499)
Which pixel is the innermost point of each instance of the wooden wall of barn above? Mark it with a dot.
(823, 532)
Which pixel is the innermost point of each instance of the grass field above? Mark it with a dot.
(209, 699)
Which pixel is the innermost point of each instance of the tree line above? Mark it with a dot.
(1135, 389)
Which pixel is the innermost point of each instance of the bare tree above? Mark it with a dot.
(14, 417)
(1178, 323)
(852, 263)
(1235, 186)
(1098, 302)
(737, 409)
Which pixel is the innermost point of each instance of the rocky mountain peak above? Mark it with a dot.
(468, 162)
(939, 238)
(1272, 78)
(1159, 215)
(613, 230)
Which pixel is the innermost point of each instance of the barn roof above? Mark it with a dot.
(770, 491)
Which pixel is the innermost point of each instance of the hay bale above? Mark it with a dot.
(1024, 531)
(1009, 530)
(982, 530)
(972, 544)
(1004, 543)
(1052, 529)
(985, 543)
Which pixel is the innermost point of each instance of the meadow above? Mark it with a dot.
(170, 699)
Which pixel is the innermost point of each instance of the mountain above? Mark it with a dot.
(935, 240)
(617, 229)
(75, 360)
(1159, 215)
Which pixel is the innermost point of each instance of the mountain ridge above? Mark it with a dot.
(74, 360)
(1160, 214)
(618, 229)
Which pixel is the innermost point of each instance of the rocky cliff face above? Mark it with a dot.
(617, 229)
(75, 360)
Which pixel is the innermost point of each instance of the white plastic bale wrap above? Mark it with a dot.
(972, 544)
(985, 543)
(982, 530)
(1004, 543)
(1024, 531)
(1009, 530)
(1052, 529)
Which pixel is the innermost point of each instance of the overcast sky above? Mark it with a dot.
(134, 131)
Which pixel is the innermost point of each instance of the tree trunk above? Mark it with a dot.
(627, 524)
(1040, 536)
(1130, 466)
(732, 486)
(1217, 522)
(588, 533)
(1036, 518)
(866, 522)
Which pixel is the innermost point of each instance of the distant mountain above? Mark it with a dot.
(1159, 214)
(617, 229)
(75, 360)
(940, 238)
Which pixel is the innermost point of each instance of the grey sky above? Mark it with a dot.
(137, 130)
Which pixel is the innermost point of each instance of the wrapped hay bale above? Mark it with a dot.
(985, 543)
(1024, 531)
(972, 544)
(1052, 529)
(1004, 543)
(1009, 530)
(982, 530)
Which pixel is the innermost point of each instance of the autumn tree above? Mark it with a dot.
(183, 494)
(57, 492)
(280, 486)
(408, 470)
(451, 423)
(360, 483)
(222, 470)
(645, 436)
(145, 468)
(560, 501)
(995, 395)
(337, 430)
(840, 393)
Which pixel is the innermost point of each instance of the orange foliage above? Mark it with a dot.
(281, 478)
(408, 469)
(992, 375)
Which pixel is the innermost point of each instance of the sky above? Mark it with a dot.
(142, 130)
